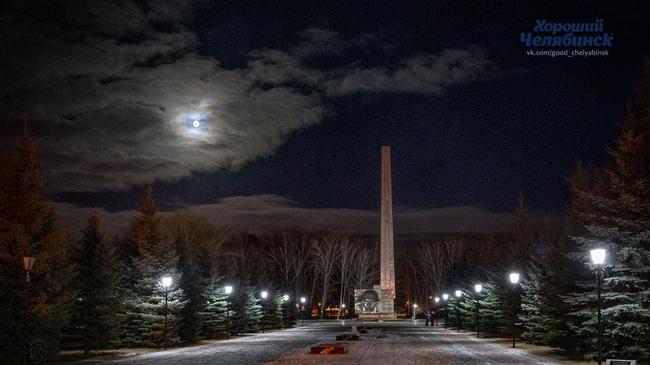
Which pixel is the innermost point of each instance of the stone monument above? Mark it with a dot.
(379, 302)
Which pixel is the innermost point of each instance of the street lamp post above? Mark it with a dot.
(459, 294)
(228, 290)
(598, 259)
(285, 310)
(414, 306)
(264, 294)
(166, 283)
(514, 280)
(28, 265)
(478, 288)
(303, 300)
(445, 298)
(436, 302)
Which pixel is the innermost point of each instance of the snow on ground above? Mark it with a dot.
(385, 343)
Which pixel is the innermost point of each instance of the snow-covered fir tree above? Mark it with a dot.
(145, 295)
(613, 207)
(547, 280)
(247, 310)
(94, 322)
(214, 313)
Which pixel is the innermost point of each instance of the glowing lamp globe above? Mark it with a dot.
(265, 294)
(445, 296)
(285, 297)
(436, 299)
(196, 123)
(303, 300)
(166, 281)
(458, 293)
(228, 289)
(598, 256)
(514, 277)
(478, 288)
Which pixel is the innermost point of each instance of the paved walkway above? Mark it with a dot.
(393, 343)
(385, 343)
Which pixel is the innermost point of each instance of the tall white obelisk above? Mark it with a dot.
(387, 267)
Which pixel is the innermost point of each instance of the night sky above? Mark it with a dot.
(294, 101)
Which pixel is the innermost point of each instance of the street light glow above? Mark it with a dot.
(228, 289)
(445, 296)
(264, 294)
(598, 256)
(459, 293)
(285, 297)
(196, 123)
(478, 288)
(514, 277)
(166, 281)
(303, 300)
(436, 299)
(343, 305)
(415, 305)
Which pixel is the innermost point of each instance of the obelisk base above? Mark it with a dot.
(375, 304)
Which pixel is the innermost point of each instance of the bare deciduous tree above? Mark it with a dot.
(325, 255)
(291, 255)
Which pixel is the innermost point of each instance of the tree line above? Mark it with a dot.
(555, 304)
(102, 291)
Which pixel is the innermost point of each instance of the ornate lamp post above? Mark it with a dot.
(598, 256)
(459, 294)
(166, 283)
(514, 280)
(478, 288)
(28, 265)
(228, 290)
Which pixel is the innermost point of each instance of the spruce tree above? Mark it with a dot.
(94, 323)
(277, 319)
(493, 308)
(547, 281)
(290, 313)
(144, 300)
(247, 311)
(28, 228)
(194, 285)
(214, 312)
(614, 209)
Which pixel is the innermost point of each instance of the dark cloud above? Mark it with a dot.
(318, 42)
(111, 88)
(267, 213)
(417, 74)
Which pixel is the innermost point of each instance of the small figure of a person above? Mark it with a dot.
(434, 316)
(427, 315)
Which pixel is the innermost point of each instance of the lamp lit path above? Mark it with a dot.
(257, 348)
(385, 343)
(405, 343)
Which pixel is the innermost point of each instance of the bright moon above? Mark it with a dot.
(196, 124)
